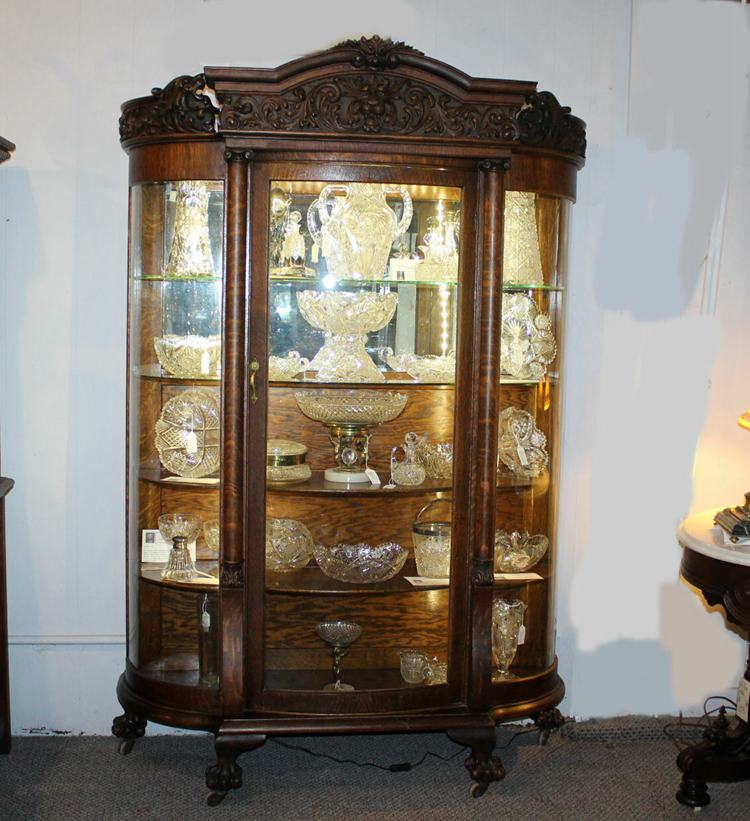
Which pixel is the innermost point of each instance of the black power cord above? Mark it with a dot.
(401, 767)
(700, 724)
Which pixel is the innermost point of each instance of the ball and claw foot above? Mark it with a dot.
(220, 779)
(127, 728)
(693, 794)
(483, 772)
(546, 722)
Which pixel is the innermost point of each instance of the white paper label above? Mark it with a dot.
(522, 634)
(154, 550)
(314, 253)
(743, 699)
(191, 443)
(205, 362)
(206, 621)
(424, 581)
(517, 577)
(173, 195)
(372, 476)
(522, 458)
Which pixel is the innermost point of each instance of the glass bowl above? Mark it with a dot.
(338, 633)
(289, 545)
(437, 459)
(187, 525)
(187, 433)
(212, 532)
(422, 368)
(189, 356)
(518, 552)
(361, 563)
(358, 407)
(285, 461)
(347, 312)
(284, 368)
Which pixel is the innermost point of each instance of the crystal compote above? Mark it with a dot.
(180, 529)
(340, 635)
(349, 415)
(346, 317)
(507, 620)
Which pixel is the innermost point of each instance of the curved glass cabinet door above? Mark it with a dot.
(363, 287)
(523, 622)
(174, 411)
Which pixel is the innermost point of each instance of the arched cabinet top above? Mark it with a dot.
(371, 90)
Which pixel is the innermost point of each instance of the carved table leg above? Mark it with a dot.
(723, 755)
(546, 722)
(483, 767)
(226, 774)
(127, 728)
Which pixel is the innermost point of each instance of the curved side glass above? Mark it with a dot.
(363, 282)
(534, 260)
(173, 429)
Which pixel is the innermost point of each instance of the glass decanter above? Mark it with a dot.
(407, 471)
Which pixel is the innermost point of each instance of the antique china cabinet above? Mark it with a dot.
(346, 291)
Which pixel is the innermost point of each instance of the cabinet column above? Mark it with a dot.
(232, 600)
(488, 311)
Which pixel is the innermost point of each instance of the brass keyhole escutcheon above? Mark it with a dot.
(254, 368)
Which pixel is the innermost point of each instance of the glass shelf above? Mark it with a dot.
(326, 284)
(162, 278)
(159, 477)
(156, 374)
(514, 287)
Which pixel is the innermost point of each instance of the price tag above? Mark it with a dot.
(205, 362)
(372, 476)
(314, 253)
(522, 458)
(206, 621)
(522, 634)
(191, 443)
(743, 699)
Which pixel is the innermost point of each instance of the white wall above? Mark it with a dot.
(657, 308)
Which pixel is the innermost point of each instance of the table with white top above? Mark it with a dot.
(721, 571)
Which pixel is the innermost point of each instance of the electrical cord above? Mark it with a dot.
(700, 724)
(401, 767)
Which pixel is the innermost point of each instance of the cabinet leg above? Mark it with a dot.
(127, 728)
(483, 767)
(226, 774)
(546, 722)
(723, 755)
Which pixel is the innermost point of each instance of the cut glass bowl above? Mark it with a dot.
(347, 312)
(338, 633)
(212, 532)
(527, 345)
(284, 368)
(437, 459)
(518, 552)
(422, 368)
(289, 545)
(361, 563)
(187, 433)
(189, 356)
(358, 407)
(522, 447)
(187, 525)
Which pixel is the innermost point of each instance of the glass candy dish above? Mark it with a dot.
(527, 345)
(522, 447)
(212, 533)
(289, 545)
(361, 563)
(518, 552)
(440, 369)
(349, 414)
(189, 356)
(346, 317)
(284, 368)
(437, 459)
(180, 529)
(187, 433)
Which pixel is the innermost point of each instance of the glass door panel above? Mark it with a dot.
(363, 283)
(174, 439)
(528, 432)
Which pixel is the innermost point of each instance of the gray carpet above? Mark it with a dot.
(622, 769)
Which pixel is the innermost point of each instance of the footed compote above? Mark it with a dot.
(507, 621)
(346, 317)
(180, 529)
(340, 635)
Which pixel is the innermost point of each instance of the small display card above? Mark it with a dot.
(423, 581)
(154, 550)
(522, 634)
(743, 699)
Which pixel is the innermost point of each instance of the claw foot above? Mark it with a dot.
(127, 728)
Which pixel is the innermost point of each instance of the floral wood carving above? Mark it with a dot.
(179, 107)
(368, 104)
(544, 122)
(375, 52)
(232, 576)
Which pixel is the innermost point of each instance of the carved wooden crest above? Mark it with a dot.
(367, 87)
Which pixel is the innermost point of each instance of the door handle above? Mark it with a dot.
(254, 368)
